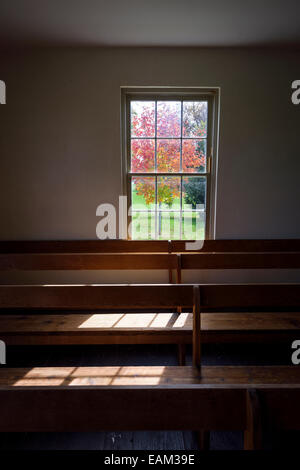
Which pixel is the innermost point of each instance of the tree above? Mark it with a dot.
(168, 151)
(168, 122)
(194, 192)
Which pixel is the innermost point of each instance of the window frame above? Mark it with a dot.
(212, 96)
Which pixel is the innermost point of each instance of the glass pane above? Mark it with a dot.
(142, 193)
(193, 225)
(168, 155)
(194, 119)
(194, 155)
(142, 155)
(193, 192)
(168, 192)
(168, 225)
(168, 119)
(142, 226)
(142, 118)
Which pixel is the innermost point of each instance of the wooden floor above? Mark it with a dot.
(127, 356)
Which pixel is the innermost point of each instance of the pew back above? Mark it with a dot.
(148, 246)
(156, 255)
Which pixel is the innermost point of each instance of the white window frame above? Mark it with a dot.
(212, 96)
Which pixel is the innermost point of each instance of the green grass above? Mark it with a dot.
(143, 226)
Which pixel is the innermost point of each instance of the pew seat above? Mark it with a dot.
(145, 328)
(169, 256)
(151, 398)
(42, 399)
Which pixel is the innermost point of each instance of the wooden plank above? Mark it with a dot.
(241, 246)
(93, 409)
(181, 353)
(178, 275)
(101, 398)
(108, 328)
(109, 322)
(84, 246)
(113, 337)
(264, 321)
(171, 269)
(270, 337)
(147, 337)
(281, 407)
(203, 440)
(178, 269)
(96, 296)
(114, 377)
(197, 328)
(75, 261)
(129, 398)
(84, 261)
(256, 296)
(94, 322)
(253, 432)
(287, 260)
(147, 328)
(145, 246)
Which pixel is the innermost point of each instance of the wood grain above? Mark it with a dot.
(146, 328)
(287, 260)
(130, 398)
(246, 377)
(149, 246)
(87, 261)
(96, 296)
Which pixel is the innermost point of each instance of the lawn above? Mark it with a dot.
(143, 223)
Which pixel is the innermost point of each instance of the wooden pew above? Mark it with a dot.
(241, 246)
(55, 399)
(85, 246)
(86, 261)
(148, 246)
(166, 255)
(140, 261)
(92, 328)
(89, 255)
(262, 326)
(131, 398)
(268, 260)
(93, 296)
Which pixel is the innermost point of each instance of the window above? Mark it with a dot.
(169, 164)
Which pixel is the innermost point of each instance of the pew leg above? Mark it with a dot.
(181, 354)
(253, 433)
(203, 439)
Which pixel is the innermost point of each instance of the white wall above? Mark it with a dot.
(60, 135)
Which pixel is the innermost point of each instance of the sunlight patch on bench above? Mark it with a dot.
(136, 320)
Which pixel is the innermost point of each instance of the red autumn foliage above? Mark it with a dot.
(168, 126)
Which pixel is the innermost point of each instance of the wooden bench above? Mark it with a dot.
(151, 328)
(148, 246)
(130, 398)
(146, 328)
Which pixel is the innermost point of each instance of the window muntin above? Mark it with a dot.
(168, 177)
